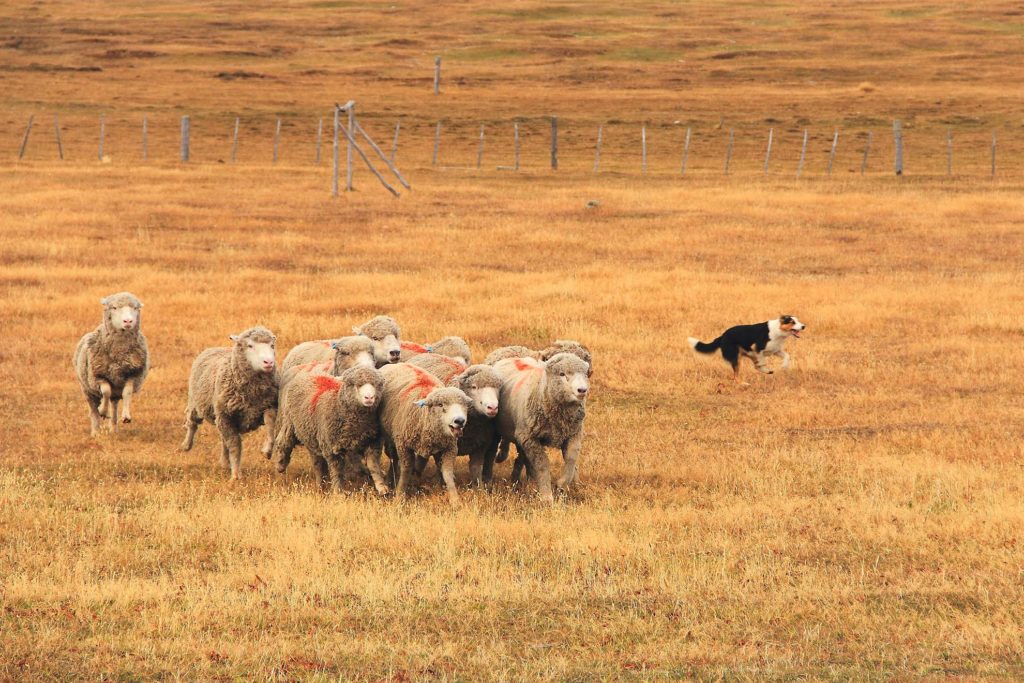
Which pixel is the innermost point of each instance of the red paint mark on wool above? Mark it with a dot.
(424, 383)
(413, 346)
(525, 365)
(528, 370)
(323, 384)
(455, 366)
(325, 344)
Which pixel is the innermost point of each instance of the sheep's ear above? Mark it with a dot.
(233, 337)
(103, 301)
(334, 345)
(356, 330)
(421, 402)
(140, 304)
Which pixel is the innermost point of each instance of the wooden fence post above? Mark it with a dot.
(24, 140)
(56, 130)
(437, 144)
(993, 155)
(897, 132)
(515, 128)
(380, 153)
(277, 140)
(319, 136)
(334, 183)
(728, 150)
(103, 130)
(350, 136)
(643, 149)
(768, 152)
(350, 169)
(185, 125)
(480, 150)
(949, 152)
(803, 155)
(394, 143)
(832, 154)
(554, 143)
(437, 75)
(686, 153)
(867, 150)
(597, 148)
(145, 138)
(234, 143)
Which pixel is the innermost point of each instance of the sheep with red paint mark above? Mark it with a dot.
(544, 405)
(421, 418)
(453, 347)
(558, 346)
(336, 419)
(333, 356)
(482, 384)
(112, 361)
(236, 389)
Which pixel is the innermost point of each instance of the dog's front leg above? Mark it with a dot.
(761, 364)
(785, 360)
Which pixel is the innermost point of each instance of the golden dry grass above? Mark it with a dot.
(857, 517)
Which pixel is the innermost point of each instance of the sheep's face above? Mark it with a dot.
(482, 384)
(259, 348)
(383, 333)
(353, 352)
(122, 312)
(569, 346)
(365, 383)
(571, 376)
(450, 407)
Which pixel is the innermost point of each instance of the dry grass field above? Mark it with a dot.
(858, 517)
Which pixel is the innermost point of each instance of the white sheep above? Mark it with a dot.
(542, 405)
(112, 361)
(236, 388)
(453, 347)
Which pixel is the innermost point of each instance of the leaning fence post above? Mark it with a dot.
(515, 128)
(437, 144)
(686, 153)
(185, 125)
(832, 154)
(277, 140)
(867, 150)
(768, 152)
(334, 183)
(103, 130)
(145, 138)
(234, 143)
(480, 150)
(383, 157)
(554, 143)
(394, 143)
(350, 169)
(993, 154)
(897, 132)
(803, 155)
(643, 149)
(319, 136)
(949, 152)
(24, 140)
(728, 150)
(56, 130)
(437, 75)
(597, 148)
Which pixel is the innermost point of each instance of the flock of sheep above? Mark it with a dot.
(347, 400)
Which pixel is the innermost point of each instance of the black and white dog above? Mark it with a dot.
(753, 341)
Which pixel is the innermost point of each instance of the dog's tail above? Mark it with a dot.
(701, 347)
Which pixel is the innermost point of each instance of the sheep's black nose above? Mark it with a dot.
(459, 421)
(395, 353)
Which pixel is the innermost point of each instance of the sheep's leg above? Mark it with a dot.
(284, 444)
(232, 447)
(448, 474)
(104, 398)
(389, 448)
(540, 471)
(192, 422)
(371, 459)
(322, 470)
(113, 415)
(502, 451)
(570, 454)
(405, 466)
(336, 464)
(126, 396)
(476, 468)
(95, 419)
(517, 468)
(269, 419)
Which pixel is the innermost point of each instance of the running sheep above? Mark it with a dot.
(331, 357)
(382, 333)
(544, 405)
(421, 418)
(235, 388)
(112, 361)
(336, 419)
(482, 384)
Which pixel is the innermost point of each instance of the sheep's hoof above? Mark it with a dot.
(126, 419)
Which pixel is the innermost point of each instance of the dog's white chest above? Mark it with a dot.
(775, 345)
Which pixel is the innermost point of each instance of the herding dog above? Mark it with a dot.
(753, 341)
